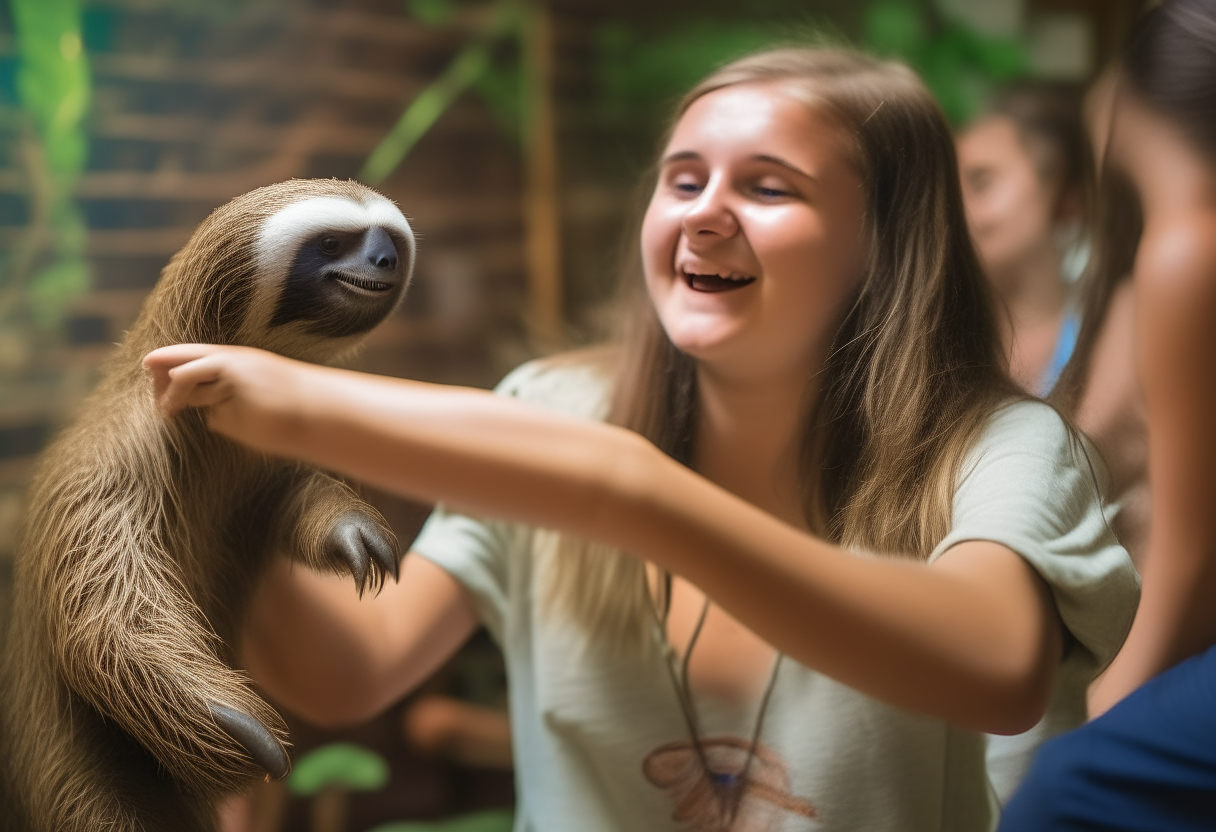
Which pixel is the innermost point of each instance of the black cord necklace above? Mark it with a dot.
(728, 787)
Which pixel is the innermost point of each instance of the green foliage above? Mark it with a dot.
(467, 68)
(51, 287)
(341, 764)
(960, 65)
(501, 87)
(53, 79)
(651, 71)
(53, 85)
(640, 74)
(643, 75)
(895, 27)
(493, 820)
(432, 12)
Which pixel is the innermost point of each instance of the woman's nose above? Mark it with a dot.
(710, 213)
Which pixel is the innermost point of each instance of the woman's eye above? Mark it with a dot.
(330, 245)
(770, 192)
(686, 186)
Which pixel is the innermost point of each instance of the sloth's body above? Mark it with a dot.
(145, 537)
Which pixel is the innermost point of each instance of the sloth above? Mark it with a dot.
(122, 706)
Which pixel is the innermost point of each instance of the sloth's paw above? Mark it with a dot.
(255, 738)
(365, 548)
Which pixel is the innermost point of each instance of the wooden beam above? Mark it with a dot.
(541, 213)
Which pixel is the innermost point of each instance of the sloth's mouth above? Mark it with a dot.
(362, 284)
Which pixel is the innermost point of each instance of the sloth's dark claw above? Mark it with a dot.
(347, 543)
(253, 736)
(359, 542)
(384, 553)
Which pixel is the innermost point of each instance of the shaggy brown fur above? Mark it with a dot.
(144, 540)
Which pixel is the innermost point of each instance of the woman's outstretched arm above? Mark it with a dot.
(973, 639)
(338, 659)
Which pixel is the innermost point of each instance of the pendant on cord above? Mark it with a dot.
(726, 785)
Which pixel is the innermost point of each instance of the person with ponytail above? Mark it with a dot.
(775, 560)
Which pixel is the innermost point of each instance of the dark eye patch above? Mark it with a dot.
(334, 243)
(311, 294)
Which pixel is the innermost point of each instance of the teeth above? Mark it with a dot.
(371, 285)
(735, 277)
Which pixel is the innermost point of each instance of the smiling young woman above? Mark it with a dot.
(821, 543)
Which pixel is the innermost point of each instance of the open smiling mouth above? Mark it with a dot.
(360, 283)
(715, 282)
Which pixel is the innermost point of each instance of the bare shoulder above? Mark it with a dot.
(1176, 269)
(1176, 334)
(1176, 307)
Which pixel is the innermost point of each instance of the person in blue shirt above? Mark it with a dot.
(1025, 168)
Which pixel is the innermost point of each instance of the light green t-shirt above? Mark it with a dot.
(600, 742)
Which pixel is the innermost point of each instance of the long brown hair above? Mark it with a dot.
(1116, 228)
(913, 372)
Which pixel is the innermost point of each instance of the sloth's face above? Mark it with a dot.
(330, 269)
(342, 283)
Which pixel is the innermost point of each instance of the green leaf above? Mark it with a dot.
(424, 111)
(466, 67)
(53, 80)
(501, 88)
(53, 85)
(338, 764)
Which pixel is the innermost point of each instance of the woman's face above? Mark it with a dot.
(1011, 206)
(752, 241)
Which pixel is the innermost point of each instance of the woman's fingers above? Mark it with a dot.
(188, 375)
(164, 359)
(198, 383)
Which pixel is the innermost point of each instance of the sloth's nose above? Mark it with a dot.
(381, 252)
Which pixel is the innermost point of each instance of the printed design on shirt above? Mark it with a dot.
(726, 798)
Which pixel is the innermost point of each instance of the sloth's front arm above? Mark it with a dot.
(127, 637)
(323, 523)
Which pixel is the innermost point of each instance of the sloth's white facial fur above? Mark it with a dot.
(283, 233)
(286, 230)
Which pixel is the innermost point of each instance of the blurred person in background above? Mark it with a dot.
(1100, 387)
(1025, 168)
(1148, 761)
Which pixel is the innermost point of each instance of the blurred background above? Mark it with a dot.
(513, 133)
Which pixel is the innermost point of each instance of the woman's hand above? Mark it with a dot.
(249, 395)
